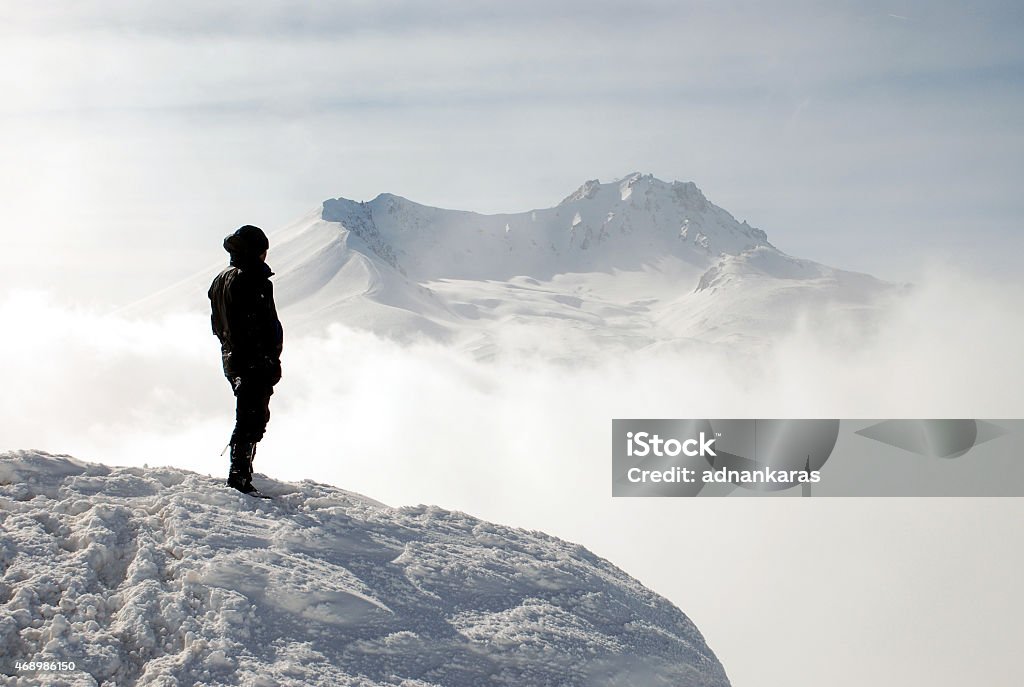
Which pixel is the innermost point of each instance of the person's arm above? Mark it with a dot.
(272, 335)
(257, 337)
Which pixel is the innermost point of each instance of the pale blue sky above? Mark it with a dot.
(868, 135)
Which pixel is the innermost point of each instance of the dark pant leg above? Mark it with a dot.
(252, 409)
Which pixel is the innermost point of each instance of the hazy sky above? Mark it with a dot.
(868, 135)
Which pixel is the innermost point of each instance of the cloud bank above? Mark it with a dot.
(524, 441)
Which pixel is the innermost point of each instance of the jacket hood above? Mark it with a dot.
(247, 241)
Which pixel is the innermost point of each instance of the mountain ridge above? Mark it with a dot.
(673, 218)
(628, 264)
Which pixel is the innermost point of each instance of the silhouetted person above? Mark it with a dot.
(245, 320)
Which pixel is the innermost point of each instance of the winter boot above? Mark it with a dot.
(240, 474)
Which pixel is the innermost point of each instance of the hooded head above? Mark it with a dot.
(246, 245)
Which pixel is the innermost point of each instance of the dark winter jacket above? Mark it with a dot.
(245, 320)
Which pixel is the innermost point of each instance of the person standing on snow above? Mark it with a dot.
(245, 320)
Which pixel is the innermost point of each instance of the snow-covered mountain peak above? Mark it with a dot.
(634, 262)
(163, 576)
(640, 183)
(644, 185)
(624, 224)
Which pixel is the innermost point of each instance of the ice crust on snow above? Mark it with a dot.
(164, 577)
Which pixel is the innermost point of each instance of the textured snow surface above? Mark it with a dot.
(166, 577)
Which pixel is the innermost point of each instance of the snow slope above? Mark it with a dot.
(634, 263)
(166, 577)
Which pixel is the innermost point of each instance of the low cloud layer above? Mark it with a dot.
(525, 442)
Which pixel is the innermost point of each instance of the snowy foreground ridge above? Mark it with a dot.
(166, 577)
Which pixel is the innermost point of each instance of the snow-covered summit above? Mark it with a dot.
(628, 264)
(618, 225)
(646, 185)
(166, 577)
